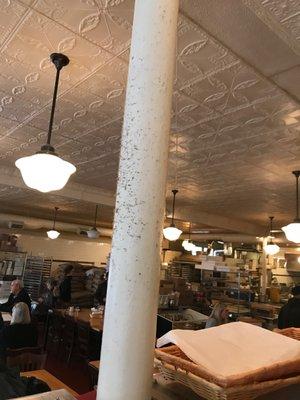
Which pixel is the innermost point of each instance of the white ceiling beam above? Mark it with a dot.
(11, 177)
(218, 221)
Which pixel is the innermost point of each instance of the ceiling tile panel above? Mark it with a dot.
(282, 16)
(198, 54)
(104, 23)
(235, 133)
(249, 34)
(12, 14)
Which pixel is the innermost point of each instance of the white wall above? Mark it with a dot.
(65, 249)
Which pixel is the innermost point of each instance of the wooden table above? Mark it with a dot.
(51, 381)
(61, 394)
(6, 317)
(84, 315)
(95, 364)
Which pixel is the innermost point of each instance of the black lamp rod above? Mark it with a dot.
(96, 213)
(59, 60)
(55, 214)
(174, 191)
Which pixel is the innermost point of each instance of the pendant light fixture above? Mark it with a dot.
(271, 248)
(93, 233)
(171, 232)
(53, 234)
(292, 230)
(187, 244)
(196, 249)
(44, 170)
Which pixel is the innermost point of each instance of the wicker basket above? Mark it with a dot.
(293, 333)
(175, 366)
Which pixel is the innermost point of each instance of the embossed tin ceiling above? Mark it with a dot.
(235, 104)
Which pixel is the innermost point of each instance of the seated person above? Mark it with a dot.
(218, 316)
(18, 295)
(289, 314)
(20, 333)
(47, 300)
(100, 295)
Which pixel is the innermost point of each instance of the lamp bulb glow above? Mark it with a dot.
(45, 172)
(271, 249)
(93, 233)
(292, 232)
(172, 233)
(53, 234)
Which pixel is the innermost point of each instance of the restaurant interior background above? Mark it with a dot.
(234, 140)
(235, 120)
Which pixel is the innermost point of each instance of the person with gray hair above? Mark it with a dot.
(18, 295)
(20, 314)
(218, 316)
(20, 333)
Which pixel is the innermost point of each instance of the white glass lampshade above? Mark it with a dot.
(93, 233)
(196, 249)
(187, 245)
(192, 247)
(292, 232)
(271, 248)
(45, 172)
(53, 234)
(172, 233)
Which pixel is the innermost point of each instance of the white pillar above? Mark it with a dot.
(264, 272)
(130, 314)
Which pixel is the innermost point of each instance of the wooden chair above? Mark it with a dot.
(54, 331)
(68, 338)
(83, 340)
(93, 376)
(41, 329)
(26, 358)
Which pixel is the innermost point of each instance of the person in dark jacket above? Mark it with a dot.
(100, 295)
(18, 295)
(20, 333)
(46, 302)
(289, 315)
(65, 285)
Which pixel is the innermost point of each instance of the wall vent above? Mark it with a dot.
(15, 224)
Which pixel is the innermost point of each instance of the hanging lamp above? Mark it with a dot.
(53, 233)
(93, 233)
(171, 232)
(292, 230)
(45, 170)
(271, 248)
(187, 244)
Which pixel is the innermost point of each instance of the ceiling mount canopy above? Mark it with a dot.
(93, 233)
(171, 232)
(45, 171)
(271, 248)
(292, 230)
(53, 233)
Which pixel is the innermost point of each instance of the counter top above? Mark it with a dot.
(84, 315)
(50, 379)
